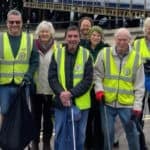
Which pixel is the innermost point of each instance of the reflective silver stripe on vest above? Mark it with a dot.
(28, 46)
(59, 54)
(78, 75)
(135, 65)
(116, 78)
(137, 46)
(107, 72)
(5, 62)
(85, 55)
(11, 74)
(1, 46)
(113, 90)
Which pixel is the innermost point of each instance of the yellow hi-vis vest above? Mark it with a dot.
(14, 68)
(140, 46)
(82, 102)
(118, 85)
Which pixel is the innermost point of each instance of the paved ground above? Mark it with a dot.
(123, 142)
(122, 139)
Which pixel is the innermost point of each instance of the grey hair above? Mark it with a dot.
(146, 24)
(42, 25)
(14, 12)
(123, 30)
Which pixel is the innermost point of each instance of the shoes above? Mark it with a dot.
(116, 144)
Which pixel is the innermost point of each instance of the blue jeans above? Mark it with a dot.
(8, 94)
(63, 130)
(129, 126)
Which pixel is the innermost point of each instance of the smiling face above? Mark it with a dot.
(84, 28)
(95, 38)
(14, 24)
(72, 39)
(45, 35)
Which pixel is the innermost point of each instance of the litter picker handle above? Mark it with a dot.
(145, 107)
(73, 129)
(28, 99)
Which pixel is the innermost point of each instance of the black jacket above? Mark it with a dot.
(80, 88)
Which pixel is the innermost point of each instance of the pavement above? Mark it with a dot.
(122, 139)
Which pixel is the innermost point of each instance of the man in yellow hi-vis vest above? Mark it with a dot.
(70, 77)
(119, 84)
(18, 60)
(142, 46)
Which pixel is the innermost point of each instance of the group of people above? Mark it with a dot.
(85, 81)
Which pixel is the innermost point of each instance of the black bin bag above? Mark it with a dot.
(18, 127)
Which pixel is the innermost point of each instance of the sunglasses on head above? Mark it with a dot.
(14, 22)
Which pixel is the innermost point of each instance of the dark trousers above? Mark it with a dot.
(42, 107)
(140, 126)
(94, 135)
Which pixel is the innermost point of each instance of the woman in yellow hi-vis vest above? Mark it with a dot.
(119, 84)
(70, 77)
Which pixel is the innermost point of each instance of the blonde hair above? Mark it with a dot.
(43, 25)
(146, 24)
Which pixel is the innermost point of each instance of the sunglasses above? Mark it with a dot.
(14, 22)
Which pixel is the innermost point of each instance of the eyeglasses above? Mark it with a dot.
(14, 22)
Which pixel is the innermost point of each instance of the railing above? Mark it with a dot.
(144, 4)
(90, 7)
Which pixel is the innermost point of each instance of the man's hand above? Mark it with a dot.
(26, 81)
(100, 96)
(136, 114)
(65, 98)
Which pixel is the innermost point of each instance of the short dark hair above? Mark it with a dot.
(85, 18)
(72, 28)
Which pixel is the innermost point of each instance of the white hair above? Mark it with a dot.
(124, 31)
(146, 24)
(43, 25)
